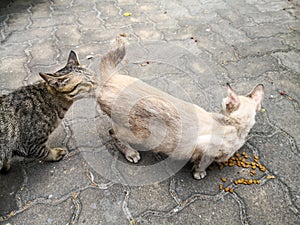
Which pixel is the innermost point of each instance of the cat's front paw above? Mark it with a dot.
(56, 154)
(198, 175)
(132, 156)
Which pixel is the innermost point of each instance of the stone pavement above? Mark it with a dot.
(188, 48)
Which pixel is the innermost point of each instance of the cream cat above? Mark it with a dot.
(157, 121)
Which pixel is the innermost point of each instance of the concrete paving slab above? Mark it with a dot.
(189, 49)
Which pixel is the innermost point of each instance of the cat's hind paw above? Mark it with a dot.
(198, 175)
(55, 154)
(132, 156)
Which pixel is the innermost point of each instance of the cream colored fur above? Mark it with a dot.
(152, 119)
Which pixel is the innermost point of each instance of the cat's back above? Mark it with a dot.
(23, 92)
(20, 109)
(23, 99)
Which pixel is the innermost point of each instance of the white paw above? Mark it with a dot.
(56, 154)
(133, 156)
(198, 175)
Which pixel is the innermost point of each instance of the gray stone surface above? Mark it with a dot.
(189, 49)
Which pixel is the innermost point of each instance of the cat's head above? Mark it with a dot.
(73, 81)
(243, 108)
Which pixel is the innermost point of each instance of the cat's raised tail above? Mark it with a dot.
(111, 59)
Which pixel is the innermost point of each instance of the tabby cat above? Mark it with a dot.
(29, 114)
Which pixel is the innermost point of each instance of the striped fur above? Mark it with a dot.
(29, 114)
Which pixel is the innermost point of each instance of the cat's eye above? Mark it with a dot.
(64, 82)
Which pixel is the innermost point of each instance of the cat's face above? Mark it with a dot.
(243, 107)
(74, 81)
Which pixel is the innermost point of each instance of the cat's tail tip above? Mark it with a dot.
(118, 42)
(111, 59)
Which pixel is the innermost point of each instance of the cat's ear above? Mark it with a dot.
(73, 59)
(232, 97)
(257, 94)
(233, 100)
